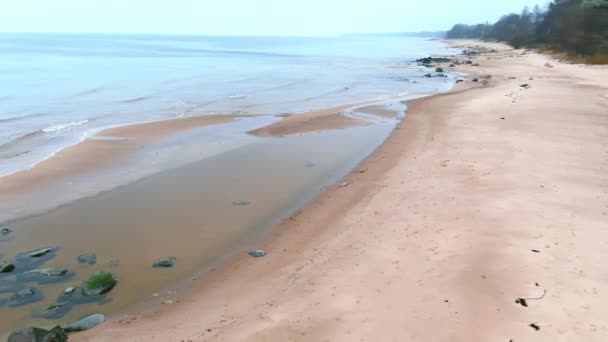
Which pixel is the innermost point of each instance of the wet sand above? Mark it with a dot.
(479, 197)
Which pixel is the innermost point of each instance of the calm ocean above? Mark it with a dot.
(56, 89)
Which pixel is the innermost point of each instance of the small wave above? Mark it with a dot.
(237, 97)
(59, 127)
(22, 117)
(333, 92)
(135, 99)
(89, 92)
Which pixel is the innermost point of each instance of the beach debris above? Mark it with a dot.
(53, 311)
(99, 283)
(25, 296)
(85, 323)
(439, 70)
(257, 253)
(6, 267)
(534, 326)
(345, 184)
(33, 334)
(524, 301)
(46, 275)
(6, 233)
(89, 258)
(241, 203)
(164, 262)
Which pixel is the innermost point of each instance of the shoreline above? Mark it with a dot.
(409, 234)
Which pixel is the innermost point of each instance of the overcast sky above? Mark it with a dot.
(248, 17)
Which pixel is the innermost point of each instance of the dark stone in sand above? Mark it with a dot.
(459, 81)
(241, 203)
(25, 296)
(429, 60)
(475, 80)
(99, 283)
(46, 275)
(428, 75)
(32, 334)
(6, 234)
(67, 294)
(441, 75)
(439, 70)
(468, 62)
(89, 258)
(6, 267)
(85, 323)
(53, 311)
(257, 253)
(452, 65)
(164, 262)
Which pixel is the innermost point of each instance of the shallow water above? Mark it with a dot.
(58, 88)
(187, 212)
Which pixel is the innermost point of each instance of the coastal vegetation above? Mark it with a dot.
(576, 28)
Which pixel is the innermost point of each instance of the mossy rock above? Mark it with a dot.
(32, 334)
(100, 282)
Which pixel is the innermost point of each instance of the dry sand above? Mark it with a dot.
(479, 197)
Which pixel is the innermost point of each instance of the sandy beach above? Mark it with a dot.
(482, 196)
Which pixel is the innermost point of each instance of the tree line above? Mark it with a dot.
(578, 27)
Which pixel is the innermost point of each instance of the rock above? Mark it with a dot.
(32, 334)
(85, 323)
(90, 258)
(40, 252)
(54, 311)
(459, 81)
(428, 75)
(165, 262)
(25, 296)
(46, 275)
(429, 60)
(439, 70)
(452, 65)
(67, 294)
(100, 282)
(468, 62)
(525, 85)
(241, 203)
(6, 267)
(548, 65)
(475, 80)
(441, 75)
(35, 258)
(6, 233)
(257, 253)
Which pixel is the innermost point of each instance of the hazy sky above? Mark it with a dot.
(247, 17)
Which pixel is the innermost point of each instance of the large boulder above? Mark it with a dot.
(85, 323)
